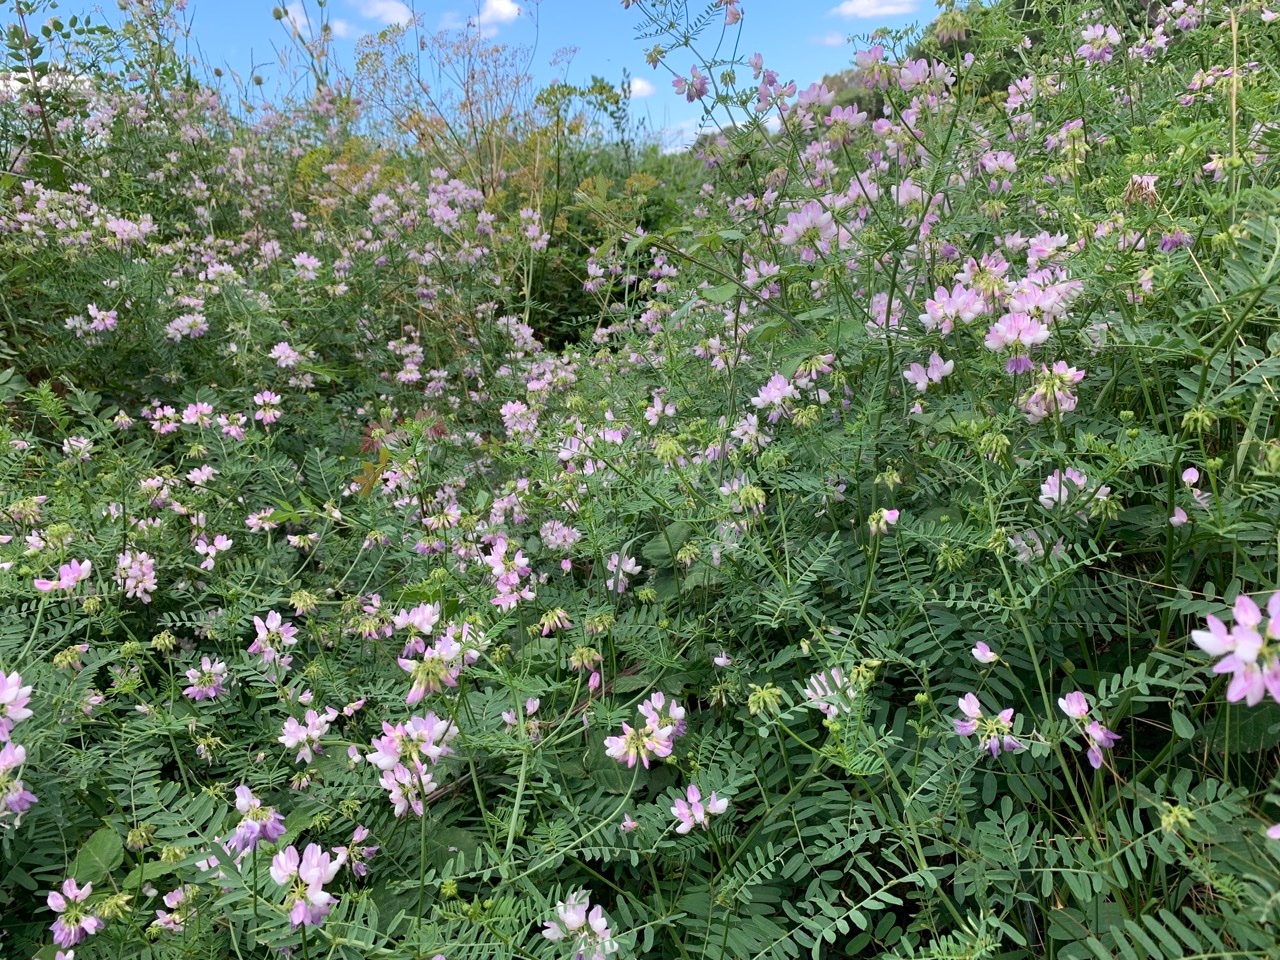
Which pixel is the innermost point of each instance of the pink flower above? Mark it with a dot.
(74, 922)
(274, 634)
(831, 694)
(268, 407)
(407, 787)
(587, 928)
(14, 698)
(946, 306)
(920, 376)
(136, 574)
(663, 723)
(880, 521)
(638, 744)
(994, 733)
(1074, 705)
(284, 355)
(775, 397)
(621, 567)
(983, 653)
(694, 87)
(207, 682)
(180, 909)
(257, 823)
(811, 228)
(690, 811)
(1100, 738)
(306, 737)
(15, 798)
(1051, 392)
(1179, 517)
(210, 550)
(306, 876)
(357, 857)
(1063, 487)
(1250, 651)
(69, 574)
(1016, 332)
(199, 414)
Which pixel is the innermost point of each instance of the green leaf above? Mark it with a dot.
(1182, 725)
(721, 294)
(660, 551)
(101, 854)
(1248, 729)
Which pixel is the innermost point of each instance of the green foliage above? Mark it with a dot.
(788, 549)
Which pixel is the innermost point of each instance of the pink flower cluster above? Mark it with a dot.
(136, 574)
(181, 907)
(305, 737)
(257, 824)
(994, 733)
(441, 663)
(622, 567)
(1250, 650)
(693, 87)
(920, 376)
(308, 902)
(585, 926)
(508, 575)
(207, 682)
(1099, 738)
(1050, 394)
(398, 753)
(15, 798)
(830, 693)
(75, 921)
(691, 812)
(1068, 486)
(69, 574)
(656, 738)
(273, 635)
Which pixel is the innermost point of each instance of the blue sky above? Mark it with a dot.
(801, 39)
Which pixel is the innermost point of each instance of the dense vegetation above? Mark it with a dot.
(854, 538)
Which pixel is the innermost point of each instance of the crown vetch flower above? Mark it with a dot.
(1250, 649)
(74, 921)
(207, 681)
(994, 733)
(258, 823)
(585, 926)
(1099, 738)
(14, 698)
(307, 901)
(15, 798)
(690, 811)
(69, 574)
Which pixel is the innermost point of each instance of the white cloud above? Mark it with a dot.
(640, 87)
(342, 28)
(384, 11)
(487, 18)
(832, 38)
(873, 9)
(493, 12)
